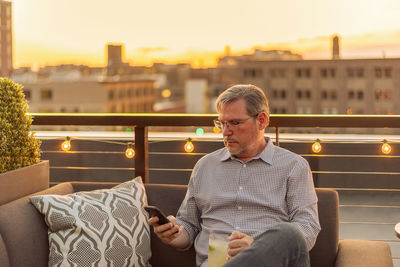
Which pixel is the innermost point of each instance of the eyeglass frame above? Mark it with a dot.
(231, 124)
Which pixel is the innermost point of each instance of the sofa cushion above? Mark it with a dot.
(24, 231)
(4, 262)
(324, 251)
(105, 227)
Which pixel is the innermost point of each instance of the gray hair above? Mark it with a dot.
(256, 100)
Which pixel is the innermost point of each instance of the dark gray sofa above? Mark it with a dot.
(23, 232)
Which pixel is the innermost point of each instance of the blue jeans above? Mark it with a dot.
(282, 245)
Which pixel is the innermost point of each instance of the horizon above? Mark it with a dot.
(76, 32)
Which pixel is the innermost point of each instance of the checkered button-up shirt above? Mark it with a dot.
(225, 194)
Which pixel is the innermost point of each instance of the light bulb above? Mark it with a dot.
(199, 131)
(130, 152)
(316, 147)
(189, 147)
(386, 148)
(66, 145)
(215, 130)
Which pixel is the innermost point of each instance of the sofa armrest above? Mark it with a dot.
(4, 262)
(361, 253)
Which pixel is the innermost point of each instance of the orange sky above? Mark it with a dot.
(49, 32)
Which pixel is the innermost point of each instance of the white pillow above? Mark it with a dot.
(98, 228)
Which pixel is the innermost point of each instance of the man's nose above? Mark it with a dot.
(226, 130)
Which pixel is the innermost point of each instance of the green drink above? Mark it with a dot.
(217, 250)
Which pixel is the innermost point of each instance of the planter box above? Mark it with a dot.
(24, 181)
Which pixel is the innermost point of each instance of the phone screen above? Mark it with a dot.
(154, 211)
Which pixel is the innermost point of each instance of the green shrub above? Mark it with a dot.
(18, 146)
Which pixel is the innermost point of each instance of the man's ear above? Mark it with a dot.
(263, 119)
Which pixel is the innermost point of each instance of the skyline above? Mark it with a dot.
(76, 32)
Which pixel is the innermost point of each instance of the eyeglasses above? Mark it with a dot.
(233, 124)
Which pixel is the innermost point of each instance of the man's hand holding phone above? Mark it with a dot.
(170, 232)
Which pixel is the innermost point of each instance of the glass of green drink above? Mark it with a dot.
(217, 249)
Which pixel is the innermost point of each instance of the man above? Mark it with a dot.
(260, 194)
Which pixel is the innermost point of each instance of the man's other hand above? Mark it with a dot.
(237, 242)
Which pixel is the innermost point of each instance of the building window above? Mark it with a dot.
(328, 72)
(324, 94)
(27, 93)
(324, 73)
(388, 72)
(388, 95)
(121, 93)
(378, 94)
(360, 72)
(350, 72)
(378, 72)
(252, 73)
(350, 94)
(283, 94)
(46, 94)
(305, 72)
(333, 95)
(277, 73)
(299, 94)
(111, 94)
(308, 72)
(308, 94)
(274, 93)
(360, 95)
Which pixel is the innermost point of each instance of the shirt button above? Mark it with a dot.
(244, 165)
(239, 207)
(240, 187)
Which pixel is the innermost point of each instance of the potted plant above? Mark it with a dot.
(21, 172)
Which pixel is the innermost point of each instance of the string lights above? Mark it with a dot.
(130, 152)
(386, 148)
(189, 147)
(316, 146)
(66, 145)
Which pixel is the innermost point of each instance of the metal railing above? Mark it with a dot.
(141, 122)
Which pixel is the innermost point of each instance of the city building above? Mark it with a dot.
(130, 94)
(333, 86)
(6, 44)
(64, 88)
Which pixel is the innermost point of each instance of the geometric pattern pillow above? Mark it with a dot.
(105, 227)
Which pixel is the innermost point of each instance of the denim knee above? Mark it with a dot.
(286, 232)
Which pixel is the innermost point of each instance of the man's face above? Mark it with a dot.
(241, 140)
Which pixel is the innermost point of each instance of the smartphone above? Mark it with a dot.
(154, 211)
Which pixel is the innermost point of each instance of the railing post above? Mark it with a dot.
(142, 153)
(277, 136)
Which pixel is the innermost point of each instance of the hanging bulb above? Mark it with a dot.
(386, 148)
(316, 147)
(130, 152)
(66, 145)
(199, 131)
(215, 130)
(189, 147)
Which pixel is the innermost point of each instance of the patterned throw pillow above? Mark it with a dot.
(98, 228)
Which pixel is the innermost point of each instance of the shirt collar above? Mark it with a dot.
(266, 155)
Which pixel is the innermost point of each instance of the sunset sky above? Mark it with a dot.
(49, 32)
